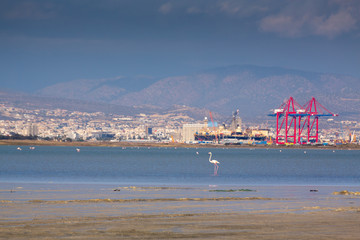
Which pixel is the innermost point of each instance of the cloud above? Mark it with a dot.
(119, 19)
(30, 10)
(284, 25)
(333, 20)
(287, 18)
(165, 8)
(193, 10)
(235, 8)
(230, 7)
(241, 8)
(334, 25)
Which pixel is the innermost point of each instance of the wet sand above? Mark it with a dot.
(311, 225)
(67, 212)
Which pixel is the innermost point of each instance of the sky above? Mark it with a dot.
(44, 42)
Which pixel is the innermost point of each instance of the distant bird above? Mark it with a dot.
(78, 149)
(215, 162)
(19, 148)
(197, 153)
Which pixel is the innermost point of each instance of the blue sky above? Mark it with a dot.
(43, 42)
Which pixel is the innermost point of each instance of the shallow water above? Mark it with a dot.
(34, 200)
(179, 167)
(64, 186)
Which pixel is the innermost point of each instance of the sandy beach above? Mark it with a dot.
(66, 212)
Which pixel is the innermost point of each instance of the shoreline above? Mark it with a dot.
(312, 225)
(60, 211)
(325, 216)
(174, 145)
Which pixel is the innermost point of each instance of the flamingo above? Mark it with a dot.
(215, 162)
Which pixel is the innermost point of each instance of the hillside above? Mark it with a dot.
(251, 89)
(97, 90)
(31, 102)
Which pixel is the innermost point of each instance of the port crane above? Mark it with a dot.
(296, 119)
(314, 110)
(212, 121)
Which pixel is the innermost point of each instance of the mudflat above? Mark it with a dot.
(68, 211)
(310, 225)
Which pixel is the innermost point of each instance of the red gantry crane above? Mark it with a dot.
(286, 129)
(314, 110)
(290, 130)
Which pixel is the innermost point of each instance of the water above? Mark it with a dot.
(179, 167)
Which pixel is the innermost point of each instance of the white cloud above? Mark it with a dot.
(282, 24)
(230, 7)
(335, 19)
(241, 8)
(334, 25)
(166, 8)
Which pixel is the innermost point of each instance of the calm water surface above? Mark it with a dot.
(181, 166)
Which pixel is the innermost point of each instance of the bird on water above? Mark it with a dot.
(215, 162)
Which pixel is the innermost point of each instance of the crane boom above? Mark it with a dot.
(212, 121)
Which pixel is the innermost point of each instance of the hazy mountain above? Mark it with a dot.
(251, 89)
(30, 102)
(22, 100)
(98, 90)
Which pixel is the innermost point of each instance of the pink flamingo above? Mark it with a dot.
(215, 162)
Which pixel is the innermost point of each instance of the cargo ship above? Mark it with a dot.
(232, 134)
(234, 137)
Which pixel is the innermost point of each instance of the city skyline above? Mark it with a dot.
(65, 125)
(48, 42)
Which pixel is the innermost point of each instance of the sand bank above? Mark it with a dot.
(50, 211)
(310, 225)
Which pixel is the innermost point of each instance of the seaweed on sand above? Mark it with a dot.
(232, 190)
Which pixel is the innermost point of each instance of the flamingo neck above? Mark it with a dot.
(210, 157)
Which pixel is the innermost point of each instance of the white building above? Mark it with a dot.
(32, 130)
(189, 130)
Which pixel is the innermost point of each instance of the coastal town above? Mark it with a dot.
(62, 124)
(65, 125)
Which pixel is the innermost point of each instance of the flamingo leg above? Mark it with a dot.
(216, 167)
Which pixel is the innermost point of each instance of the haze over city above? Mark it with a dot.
(169, 119)
(159, 64)
(44, 42)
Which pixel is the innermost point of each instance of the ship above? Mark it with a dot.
(232, 134)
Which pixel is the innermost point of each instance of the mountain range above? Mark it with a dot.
(254, 90)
